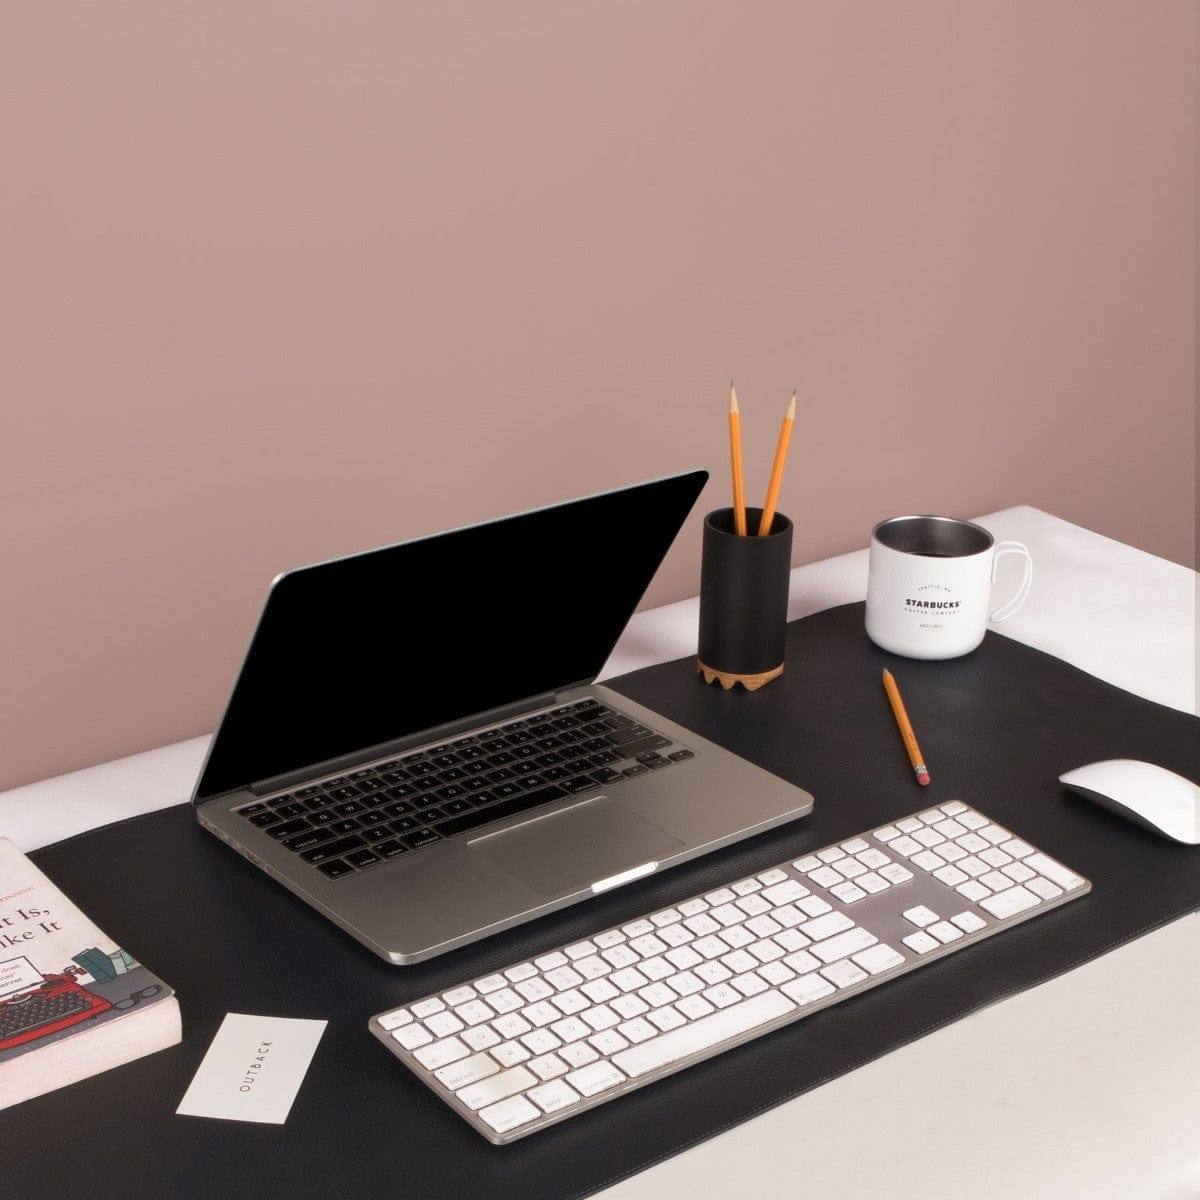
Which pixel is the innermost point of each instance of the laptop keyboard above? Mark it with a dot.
(380, 812)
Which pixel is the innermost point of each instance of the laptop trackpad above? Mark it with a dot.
(566, 851)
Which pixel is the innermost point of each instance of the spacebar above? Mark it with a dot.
(700, 1035)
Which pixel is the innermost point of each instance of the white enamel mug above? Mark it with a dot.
(930, 582)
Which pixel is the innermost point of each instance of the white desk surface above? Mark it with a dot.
(1085, 1087)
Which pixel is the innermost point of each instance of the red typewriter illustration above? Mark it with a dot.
(58, 1002)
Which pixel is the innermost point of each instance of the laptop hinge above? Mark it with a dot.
(438, 733)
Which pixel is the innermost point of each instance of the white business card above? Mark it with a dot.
(253, 1069)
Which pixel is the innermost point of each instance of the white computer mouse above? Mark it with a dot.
(1150, 795)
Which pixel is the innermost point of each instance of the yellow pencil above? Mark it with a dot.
(906, 730)
(781, 451)
(735, 465)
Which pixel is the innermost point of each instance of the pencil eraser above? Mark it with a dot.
(923, 779)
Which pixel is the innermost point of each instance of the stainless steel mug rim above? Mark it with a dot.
(987, 537)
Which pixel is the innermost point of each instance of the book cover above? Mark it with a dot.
(62, 978)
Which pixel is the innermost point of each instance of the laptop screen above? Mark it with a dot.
(356, 653)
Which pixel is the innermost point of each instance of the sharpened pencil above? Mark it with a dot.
(781, 453)
(906, 730)
(735, 464)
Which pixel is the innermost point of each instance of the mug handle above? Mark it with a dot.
(1006, 610)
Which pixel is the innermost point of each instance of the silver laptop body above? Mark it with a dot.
(447, 833)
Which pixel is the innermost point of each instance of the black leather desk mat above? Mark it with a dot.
(997, 727)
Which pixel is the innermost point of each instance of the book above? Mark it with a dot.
(72, 1003)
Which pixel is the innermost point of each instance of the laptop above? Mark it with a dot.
(416, 745)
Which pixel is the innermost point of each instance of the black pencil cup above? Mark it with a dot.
(743, 600)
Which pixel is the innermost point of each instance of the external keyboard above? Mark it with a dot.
(379, 812)
(533, 1045)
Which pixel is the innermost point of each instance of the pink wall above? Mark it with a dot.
(285, 280)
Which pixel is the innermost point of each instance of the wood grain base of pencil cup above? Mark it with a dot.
(743, 600)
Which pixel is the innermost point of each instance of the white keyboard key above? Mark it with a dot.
(945, 932)
(950, 828)
(808, 988)
(608, 1041)
(426, 1008)
(656, 968)
(788, 915)
(657, 994)
(563, 978)
(523, 971)
(744, 887)
(844, 973)
(1054, 871)
(920, 916)
(847, 893)
(592, 967)
(995, 857)
(570, 1002)
(969, 922)
(442, 1024)
(467, 1070)
(951, 851)
(686, 983)
(619, 956)
(609, 938)
(636, 929)
(394, 1020)
(785, 892)
(728, 914)
(802, 962)
(930, 816)
(540, 1041)
(791, 939)
(458, 995)
(578, 950)
(628, 980)
(994, 834)
(951, 876)
(725, 895)
(684, 957)
(973, 866)
(713, 972)
(872, 883)
(740, 961)
(541, 1013)
(921, 942)
(509, 1114)
(971, 819)
(551, 961)
(637, 1030)
(973, 890)
(550, 1097)
(441, 1054)
(906, 846)
(996, 880)
(844, 944)
(825, 877)
(851, 868)
(928, 838)
(474, 1012)
(810, 862)
(826, 926)
(763, 926)
(511, 1025)
(855, 845)
(534, 989)
(601, 1017)
(878, 958)
(972, 843)
(1018, 872)
(579, 1054)
(895, 873)
(1044, 888)
(669, 936)
(668, 916)
(887, 833)
(412, 1036)
(689, 908)
(599, 1077)
(813, 906)
(775, 973)
(648, 945)
(1017, 848)
(954, 808)
(765, 950)
(489, 983)
(666, 1019)
(874, 859)
(509, 1054)
(505, 1000)
(709, 1031)
(752, 983)
(722, 996)
(482, 1037)
(766, 878)
(694, 1007)
(927, 860)
(831, 855)
(629, 1006)
(572, 1029)
(909, 824)
(1008, 904)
